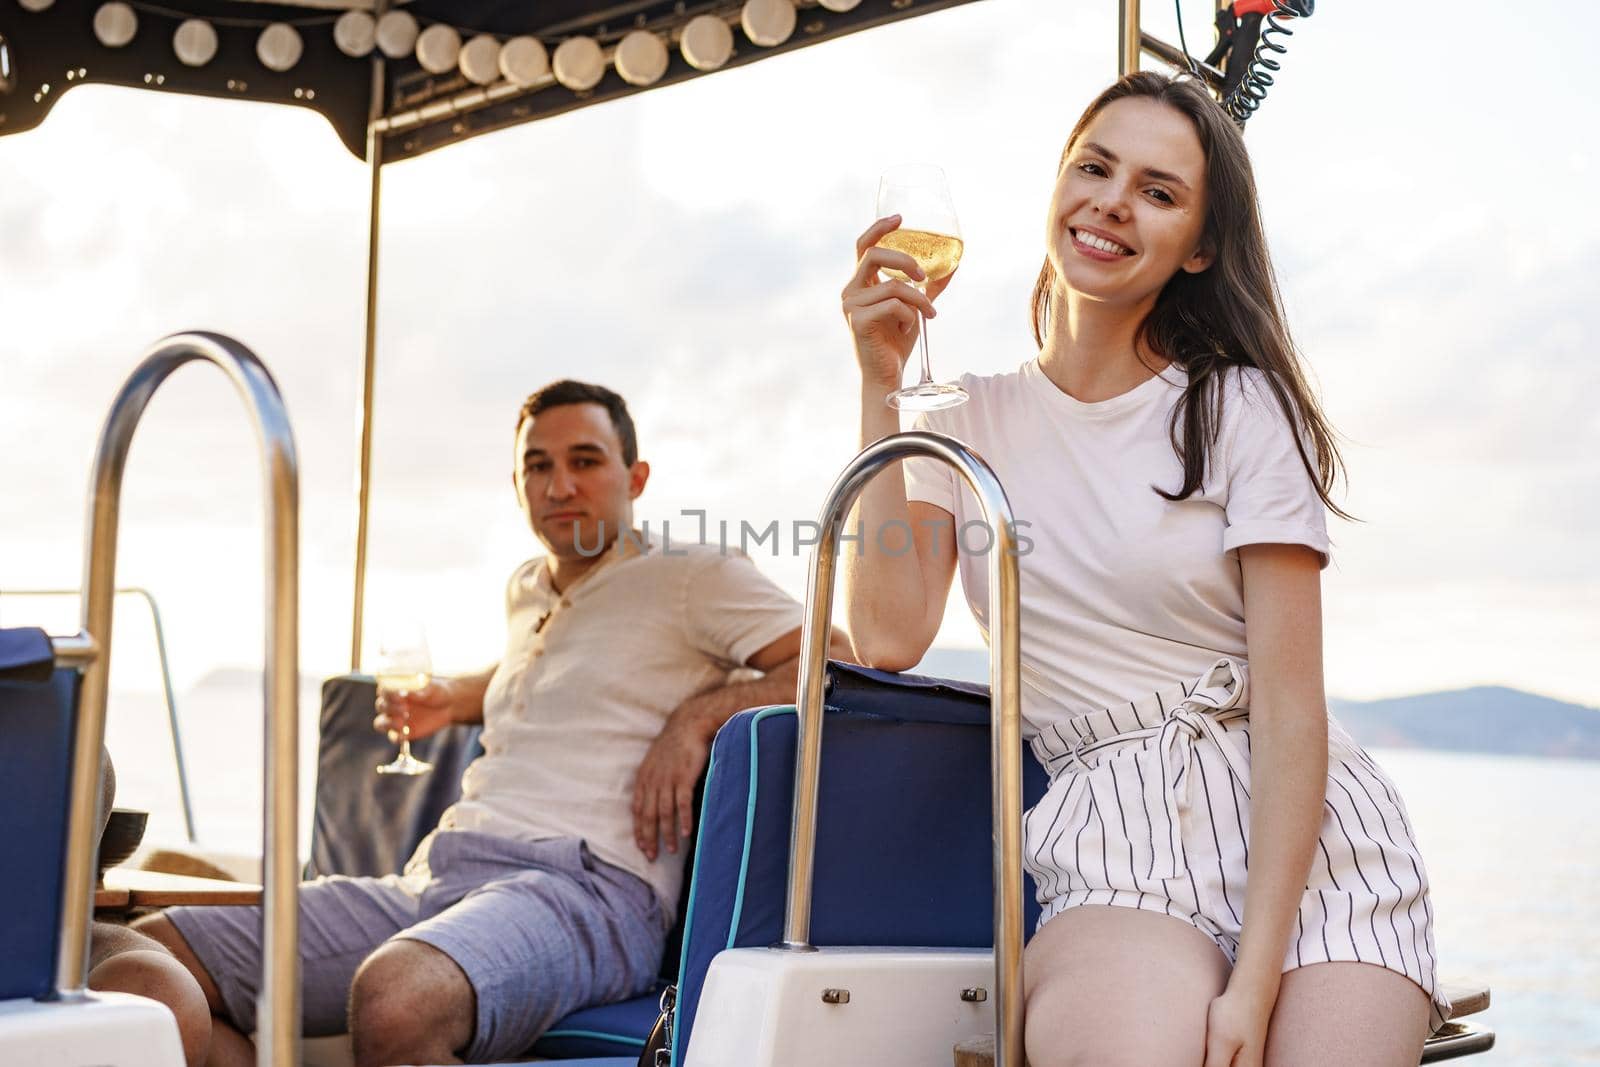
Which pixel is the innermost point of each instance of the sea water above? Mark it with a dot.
(1512, 845)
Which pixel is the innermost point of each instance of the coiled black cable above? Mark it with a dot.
(1249, 88)
(1248, 96)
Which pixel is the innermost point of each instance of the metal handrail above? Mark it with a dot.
(166, 685)
(1176, 58)
(277, 1036)
(1005, 704)
(74, 650)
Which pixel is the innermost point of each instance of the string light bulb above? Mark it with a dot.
(115, 24)
(524, 61)
(438, 48)
(279, 47)
(195, 43)
(355, 33)
(480, 59)
(707, 42)
(579, 64)
(396, 33)
(641, 58)
(768, 23)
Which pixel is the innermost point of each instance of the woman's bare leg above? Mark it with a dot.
(1343, 1013)
(126, 962)
(1114, 986)
(229, 1048)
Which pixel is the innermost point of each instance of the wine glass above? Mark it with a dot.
(930, 234)
(403, 667)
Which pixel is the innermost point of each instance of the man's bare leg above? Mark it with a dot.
(410, 1003)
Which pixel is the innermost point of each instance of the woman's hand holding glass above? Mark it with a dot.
(884, 313)
(917, 197)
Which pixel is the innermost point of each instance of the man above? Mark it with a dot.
(545, 888)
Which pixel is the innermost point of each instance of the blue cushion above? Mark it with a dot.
(906, 696)
(903, 826)
(365, 823)
(26, 655)
(37, 721)
(606, 1030)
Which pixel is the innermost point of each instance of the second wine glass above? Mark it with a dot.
(929, 234)
(404, 666)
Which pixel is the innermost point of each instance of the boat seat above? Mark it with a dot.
(612, 1028)
(906, 763)
(1466, 998)
(38, 712)
(903, 845)
(596, 1061)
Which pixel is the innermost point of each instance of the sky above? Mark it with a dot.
(1427, 195)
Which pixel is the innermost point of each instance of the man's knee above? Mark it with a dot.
(159, 929)
(409, 999)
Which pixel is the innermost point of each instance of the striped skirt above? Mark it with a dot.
(1148, 807)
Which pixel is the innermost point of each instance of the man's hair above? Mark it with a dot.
(567, 391)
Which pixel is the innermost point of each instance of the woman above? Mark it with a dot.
(1172, 468)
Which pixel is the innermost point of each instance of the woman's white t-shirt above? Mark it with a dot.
(1123, 591)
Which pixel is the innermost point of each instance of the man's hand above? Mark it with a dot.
(425, 711)
(663, 790)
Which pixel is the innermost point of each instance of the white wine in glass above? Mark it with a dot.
(930, 234)
(938, 254)
(404, 666)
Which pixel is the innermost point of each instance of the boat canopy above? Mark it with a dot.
(418, 75)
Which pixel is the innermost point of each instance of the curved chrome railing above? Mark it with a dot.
(277, 1036)
(1005, 702)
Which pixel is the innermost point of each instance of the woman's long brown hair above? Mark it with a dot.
(1229, 315)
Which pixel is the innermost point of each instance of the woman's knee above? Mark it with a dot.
(159, 929)
(154, 974)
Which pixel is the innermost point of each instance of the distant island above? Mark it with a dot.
(1492, 719)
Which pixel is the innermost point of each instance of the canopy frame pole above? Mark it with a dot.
(1127, 37)
(370, 354)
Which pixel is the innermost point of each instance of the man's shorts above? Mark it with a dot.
(541, 929)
